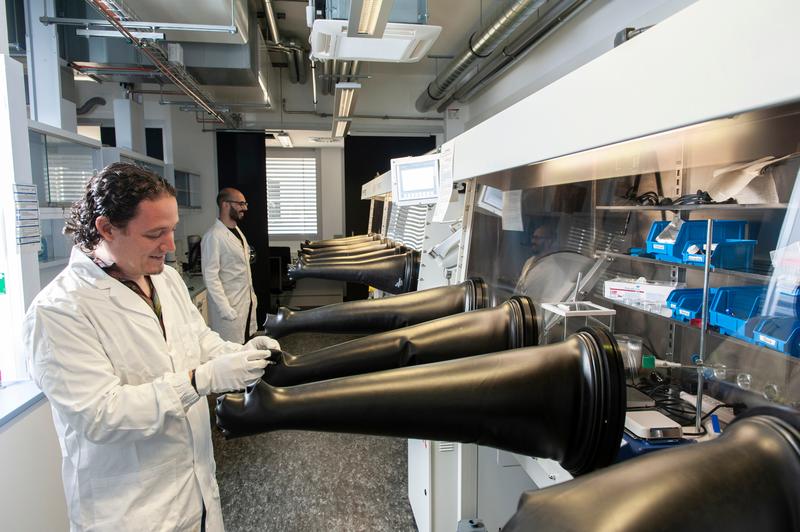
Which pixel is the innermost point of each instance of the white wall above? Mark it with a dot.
(194, 151)
(30, 461)
(332, 193)
(185, 145)
(587, 35)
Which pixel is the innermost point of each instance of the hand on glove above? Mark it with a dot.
(262, 342)
(232, 371)
(229, 314)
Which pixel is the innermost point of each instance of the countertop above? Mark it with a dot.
(16, 397)
(194, 283)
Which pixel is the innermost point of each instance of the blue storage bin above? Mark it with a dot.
(692, 231)
(734, 254)
(686, 303)
(664, 251)
(733, 308)
(780, 334)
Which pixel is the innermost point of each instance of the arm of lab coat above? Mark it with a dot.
(70, 366)
(209, 253)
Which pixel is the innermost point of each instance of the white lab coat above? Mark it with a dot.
(135, 436)
(226, 272)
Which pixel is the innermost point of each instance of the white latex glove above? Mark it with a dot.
(233, 371)
(262, 342)
(229, 314)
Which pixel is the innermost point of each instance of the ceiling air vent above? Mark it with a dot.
(401, 43)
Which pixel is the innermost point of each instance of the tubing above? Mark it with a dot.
(745, 480)
(562, 401)
(396, 274)
(383, 314)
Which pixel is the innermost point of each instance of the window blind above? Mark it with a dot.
(407, 225)
(292, 195)
(68, 172)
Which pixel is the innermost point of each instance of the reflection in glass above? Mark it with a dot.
(598, 215)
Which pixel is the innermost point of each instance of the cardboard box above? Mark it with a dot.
(635, 291)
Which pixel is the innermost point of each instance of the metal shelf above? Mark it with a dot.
(711, 207)
(710, 332)
(761, 276)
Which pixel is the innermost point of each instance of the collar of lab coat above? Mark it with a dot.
(84, 266)
(222, 227)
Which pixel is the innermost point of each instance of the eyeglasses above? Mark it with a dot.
(239, 203)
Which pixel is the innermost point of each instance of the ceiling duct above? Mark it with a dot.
(172, 71)
(480, 45)
(294, 53)
(226, 64)
(89, 105)
(504, 58)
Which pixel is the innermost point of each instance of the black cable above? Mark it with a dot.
(698, 198)
(646, 198)
(722, 405)
(703, 433)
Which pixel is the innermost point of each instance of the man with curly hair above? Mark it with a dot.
(125, 359)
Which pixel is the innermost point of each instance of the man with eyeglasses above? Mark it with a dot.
(226, 270)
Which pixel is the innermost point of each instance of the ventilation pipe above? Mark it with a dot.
(295, 55)
(300, 63)
(354, 66)
(291, 65)
(326, 73)
(272, 22)
(91, 103)
(480, 45)
(332, 78)
(504, 59)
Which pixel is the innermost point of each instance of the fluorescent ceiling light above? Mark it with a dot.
(340, 127)
(154, 36)
(344, 99)
(284, 139)
(368, 18)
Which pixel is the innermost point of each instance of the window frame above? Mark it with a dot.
(194, 189)
(294, 153)
(50, 133)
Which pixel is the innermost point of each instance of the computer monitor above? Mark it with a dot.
(415, 180)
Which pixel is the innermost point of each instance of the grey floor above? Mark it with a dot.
(310, 481)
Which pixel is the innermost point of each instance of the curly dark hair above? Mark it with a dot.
(115, 192)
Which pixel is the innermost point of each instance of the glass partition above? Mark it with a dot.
(676, 231)
(61, 167)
